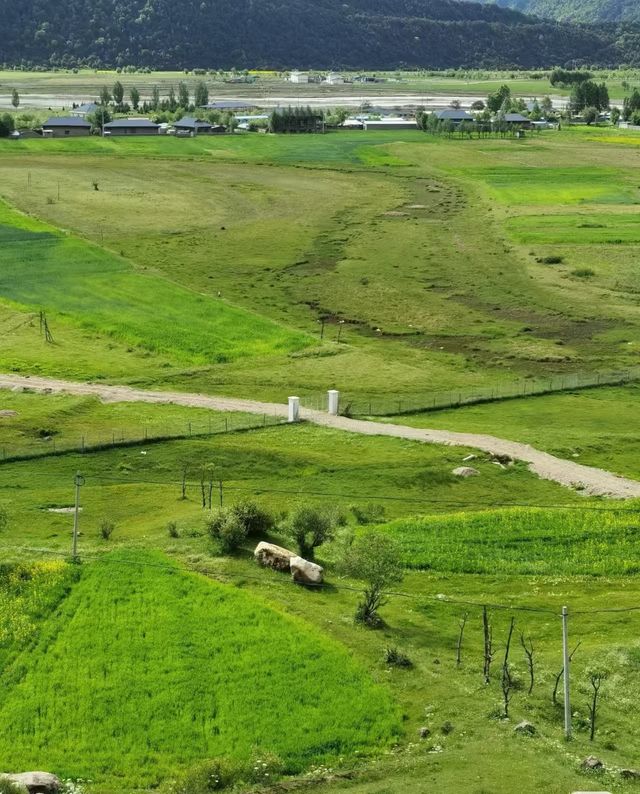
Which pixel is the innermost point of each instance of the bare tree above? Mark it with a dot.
(507, 679)
(202, 489)
(556, 686)
(596, 677)
(488, 645)
(185, 471)
(463, 623)
(527, 646)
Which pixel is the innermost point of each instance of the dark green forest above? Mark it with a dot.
(373, 34)
(578, 10)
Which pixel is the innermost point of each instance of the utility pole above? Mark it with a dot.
(78, 481)
(567, 662)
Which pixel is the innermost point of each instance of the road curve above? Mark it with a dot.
(591, 480)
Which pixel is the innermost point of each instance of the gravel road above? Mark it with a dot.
(591, 480)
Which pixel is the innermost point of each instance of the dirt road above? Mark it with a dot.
(590, 480)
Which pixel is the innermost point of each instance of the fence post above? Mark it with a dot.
(333, 400)
(294, 409)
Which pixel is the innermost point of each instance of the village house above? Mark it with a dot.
(333, 78)
(454, 115)
(131, 127)
(192, 126)
(390, 123)
(82, 111)
(516, 120)
(298, 77)
(65, 127)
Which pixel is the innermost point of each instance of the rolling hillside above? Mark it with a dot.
(579, 10)
(370, 34)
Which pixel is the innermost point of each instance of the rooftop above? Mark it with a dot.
(131, 123)
(65, 121)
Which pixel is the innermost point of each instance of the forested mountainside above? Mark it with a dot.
(374, 34)
(579, 10)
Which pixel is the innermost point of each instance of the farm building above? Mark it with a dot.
(515, 120)
(390, 124)
(82, 111)
(298, 77)
(454, 115)
(231, 106)
(131, 127)
(192, 126)
(333, 78)
(65, 127)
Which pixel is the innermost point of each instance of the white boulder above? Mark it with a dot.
(305, 572)
(466, 471)
(272, 556)
(35, 782)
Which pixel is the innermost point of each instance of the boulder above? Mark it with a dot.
(591, 763)
(305, 572)
(35, 782)
(526, 728)
(7, 414)
(466, 471)
(630, 774)
(272, 556)
(506, 460)
(424, 732)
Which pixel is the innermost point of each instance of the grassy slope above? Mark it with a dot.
(596, 427)
(148, 668)
(364, 245)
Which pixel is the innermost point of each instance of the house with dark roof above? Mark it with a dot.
(82, 111)
(515, 120)
(131, 127)
(65, 127)
(192, 126)
(454, 115)
(231, 105)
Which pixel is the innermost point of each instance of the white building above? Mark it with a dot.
(298, 77)
(333, 78)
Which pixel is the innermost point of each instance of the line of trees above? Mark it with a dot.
(175, 100)
(296, 119)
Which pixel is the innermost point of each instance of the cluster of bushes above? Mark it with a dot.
(223, 773)
(7, 125)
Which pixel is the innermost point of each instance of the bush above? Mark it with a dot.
(227, 530)
(583, 272)
(395, 658)
(4, 518)
(106, 528)
(368, 514)
(551, 260)
(172, 529)
(255, 519)
(310, 526)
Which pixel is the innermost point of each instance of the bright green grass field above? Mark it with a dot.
(576, 229)
(523, 541)
(146, 668)
(43, 269)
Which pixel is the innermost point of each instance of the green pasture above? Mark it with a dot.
(44, 269)
(596, 426)
(146, 668)
(576, 229)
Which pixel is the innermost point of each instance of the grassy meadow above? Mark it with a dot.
(383, 264)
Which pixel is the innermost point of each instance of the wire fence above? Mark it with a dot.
(95, 441)
(395, 405)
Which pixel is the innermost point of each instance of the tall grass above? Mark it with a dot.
(147, 668)
(523, 541)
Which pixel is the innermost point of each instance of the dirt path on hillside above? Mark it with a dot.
(593, 481)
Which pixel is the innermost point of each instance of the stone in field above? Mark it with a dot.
(630, 774)
(592, 763)
(7, 414)
(272, 556)
(305, 572)
(466, 471)
(35, 782)
(525, 727)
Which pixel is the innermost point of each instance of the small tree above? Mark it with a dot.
(99, 118)
(105, 95)
(4, 518)
(255, 519)
(118, 93)
(590, 115)
(155, 98)
(15, 98)
(134, 95)
(6, 125)
(375, 559)
(201, 96)
(310, 526)
(596, 677)
(183, 96)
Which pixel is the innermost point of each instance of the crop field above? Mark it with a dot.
(176, 668)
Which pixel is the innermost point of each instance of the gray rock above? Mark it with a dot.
(305, 572)
(630, 774)
(592, 763)
(424, 732)
(35, 782)
(7, 414)
(525, 727)
(466, 471)
(272, 556)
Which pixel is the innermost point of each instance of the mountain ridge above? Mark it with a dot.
(587, 11)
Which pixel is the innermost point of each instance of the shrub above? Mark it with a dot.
(255, 519)
(395, 658)
(583, 272)
(205, 777)
(106, 528)
(4, 518)
(310, 526)
(368, 514)
(551, 260)
(172, 529)
(376, 559)
(227, 530)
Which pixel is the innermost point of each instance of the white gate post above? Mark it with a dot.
(294, 409)
(333, 401)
